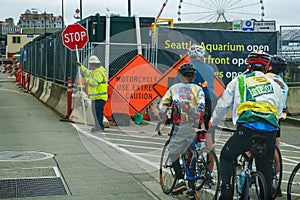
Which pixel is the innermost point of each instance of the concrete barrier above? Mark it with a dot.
(293, 101)
(46, 91)
(77, 114)
(31, 84)
(40, 88)
(35, 85)
(61, 106)
(54, 95)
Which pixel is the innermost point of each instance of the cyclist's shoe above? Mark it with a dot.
(179, 188)
(226, 192)
(198, 186)
(276, 181)
(209, 182)
(279, 193)
(190, 193)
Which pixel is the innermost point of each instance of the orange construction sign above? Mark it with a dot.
(134, 83)
(167, 79)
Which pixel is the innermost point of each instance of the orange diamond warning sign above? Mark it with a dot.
(167, 79)
(134, 83)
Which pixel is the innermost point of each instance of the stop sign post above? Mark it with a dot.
(76, 37)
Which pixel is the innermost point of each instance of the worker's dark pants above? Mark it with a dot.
(97, 108)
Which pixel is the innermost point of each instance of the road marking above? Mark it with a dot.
(116, 147)
(12, 91)
(135, 141)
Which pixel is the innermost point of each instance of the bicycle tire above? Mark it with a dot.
(274, 171)
(257, 186)
(167, 177)
(294, 182)
(206, 187)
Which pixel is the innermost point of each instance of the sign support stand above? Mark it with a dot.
(81, 91)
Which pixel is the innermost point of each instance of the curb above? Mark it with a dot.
(292, 120)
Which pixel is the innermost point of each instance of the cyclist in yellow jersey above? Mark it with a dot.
(257, 105)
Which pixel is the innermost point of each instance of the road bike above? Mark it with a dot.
(250, 184)
(199, 164)
(247, 182)
(293, 187)
(276, 173)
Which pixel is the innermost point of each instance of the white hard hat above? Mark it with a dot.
(196, 51)
(94, 59)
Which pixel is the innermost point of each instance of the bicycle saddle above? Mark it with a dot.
(258, 146)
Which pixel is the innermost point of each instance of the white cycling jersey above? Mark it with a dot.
(254, 97)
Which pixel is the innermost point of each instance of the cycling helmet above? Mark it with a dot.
(196, 51)
(187, 69)
(259, 60)
(278, 64)
(94, 59)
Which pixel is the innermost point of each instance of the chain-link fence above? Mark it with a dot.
(290, 50)
(49, 59)
(117, 54)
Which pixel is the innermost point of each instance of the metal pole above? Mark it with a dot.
(45, 30)
(80, 9)
(62, 14)
(129, 8)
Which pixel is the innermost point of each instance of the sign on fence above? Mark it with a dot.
(134, 83)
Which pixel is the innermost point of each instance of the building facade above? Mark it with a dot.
(37, 22)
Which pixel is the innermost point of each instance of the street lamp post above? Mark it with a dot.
(62, 14)
(45, 29)
(80, 7)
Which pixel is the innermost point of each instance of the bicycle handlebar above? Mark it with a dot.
(227, 129)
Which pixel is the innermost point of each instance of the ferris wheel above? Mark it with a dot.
(219, 10)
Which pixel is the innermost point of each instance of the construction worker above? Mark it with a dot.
(96, 80)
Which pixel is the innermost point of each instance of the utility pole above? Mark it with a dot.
(129, 8)
(45, 30)
(62, 14)
(80, 9)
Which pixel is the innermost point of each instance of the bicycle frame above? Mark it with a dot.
(250, 175)
(247, 162)
(190, 160)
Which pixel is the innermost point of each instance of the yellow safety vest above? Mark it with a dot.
(96, 81)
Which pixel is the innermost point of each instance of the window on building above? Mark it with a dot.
(16, 39)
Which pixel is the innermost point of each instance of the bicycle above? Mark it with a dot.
(196, 164)
(277, 177)
(293, 187)
(248, 183)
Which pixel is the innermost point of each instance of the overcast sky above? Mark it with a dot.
(284, 12)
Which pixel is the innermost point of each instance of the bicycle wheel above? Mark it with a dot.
(257, 186)
(276, 169)
(206, 169)
(167, 175)
(293, 187)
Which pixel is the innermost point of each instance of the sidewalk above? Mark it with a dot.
(29, 130)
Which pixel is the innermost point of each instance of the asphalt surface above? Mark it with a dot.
(27, 125)
(91, 166)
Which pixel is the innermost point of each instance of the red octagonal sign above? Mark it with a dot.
(75, 36)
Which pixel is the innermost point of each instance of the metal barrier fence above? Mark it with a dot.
(289, 41)
(49, 59)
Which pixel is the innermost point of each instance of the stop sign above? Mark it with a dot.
(75, 36)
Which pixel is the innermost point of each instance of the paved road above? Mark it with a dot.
(121, 163)
(28, 125)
